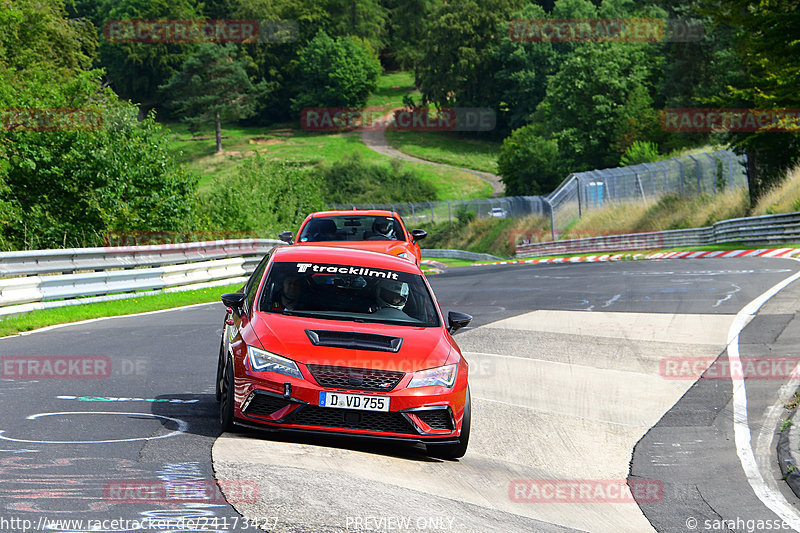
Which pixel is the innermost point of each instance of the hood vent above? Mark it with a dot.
(354, 340)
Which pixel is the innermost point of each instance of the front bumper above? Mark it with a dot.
(272, 401)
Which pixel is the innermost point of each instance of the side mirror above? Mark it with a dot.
(234, 300)
(456, 321)
(287, 237)
(418, 234)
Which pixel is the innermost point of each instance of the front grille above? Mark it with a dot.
(313, 415)
(342, 377)
(265, 405)
(436, 418)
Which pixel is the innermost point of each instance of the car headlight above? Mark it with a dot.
(263, 361)
(444, 376)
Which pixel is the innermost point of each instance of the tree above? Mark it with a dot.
(770, 57)
(64, 187)
(529, 163)
(599, 103)
(211, 87)
(339, 72)
(407, 20)
(457, 66)
(365, 19)
(136, 70)
(520, 80)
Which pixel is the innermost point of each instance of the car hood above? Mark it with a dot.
(384, 247)
(421, 348)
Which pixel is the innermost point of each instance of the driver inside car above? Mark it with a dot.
(392, 294)
(289, 296)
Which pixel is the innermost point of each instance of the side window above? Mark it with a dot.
(252, 284)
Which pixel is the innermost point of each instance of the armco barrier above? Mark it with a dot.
(457, 254)
(43, 279)
(73, 260)
(766, 229)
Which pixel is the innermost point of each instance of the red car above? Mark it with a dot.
(379, 231)
(343, 341)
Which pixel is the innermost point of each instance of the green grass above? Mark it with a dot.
(48, 317)
(392, 86)
(285, 142)
(448, 148)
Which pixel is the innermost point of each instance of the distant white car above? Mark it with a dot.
(498, 212)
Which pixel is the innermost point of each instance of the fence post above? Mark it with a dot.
(680, 168)
(552, 218)
(449, 212)
(697, 167)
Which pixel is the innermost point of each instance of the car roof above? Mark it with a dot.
(342, 255)
(354, 212)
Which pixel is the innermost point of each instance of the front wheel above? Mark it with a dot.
(226, 398)
(454, 451)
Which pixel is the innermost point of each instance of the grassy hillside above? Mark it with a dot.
(498, 236)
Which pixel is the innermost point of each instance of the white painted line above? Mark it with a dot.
(90, 320)
(182, 428)
(769, 496)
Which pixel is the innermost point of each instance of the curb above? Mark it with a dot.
(764, 252)
(434, 267)
(786, 461)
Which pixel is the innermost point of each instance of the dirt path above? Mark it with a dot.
(375, 140)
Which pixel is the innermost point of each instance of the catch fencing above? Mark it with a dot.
(447, 210)
(580, 192)
(687, 175)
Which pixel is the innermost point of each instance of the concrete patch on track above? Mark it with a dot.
(557, 395)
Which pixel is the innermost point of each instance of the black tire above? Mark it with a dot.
(455, 451)
(227, 399)
(220, 367)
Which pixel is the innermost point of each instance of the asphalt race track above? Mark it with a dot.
(577, 386)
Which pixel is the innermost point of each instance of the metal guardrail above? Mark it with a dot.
(457, 254)
(72, 260)
(55, 278)
(765, 229)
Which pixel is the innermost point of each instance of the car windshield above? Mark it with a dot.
(348, 293)
(352, 228)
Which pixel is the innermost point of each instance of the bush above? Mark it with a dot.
(74, 185)
(353, 180)
(529, 163)
(264, 197)
(640, 152)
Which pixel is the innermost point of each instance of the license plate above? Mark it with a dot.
(353, 401)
